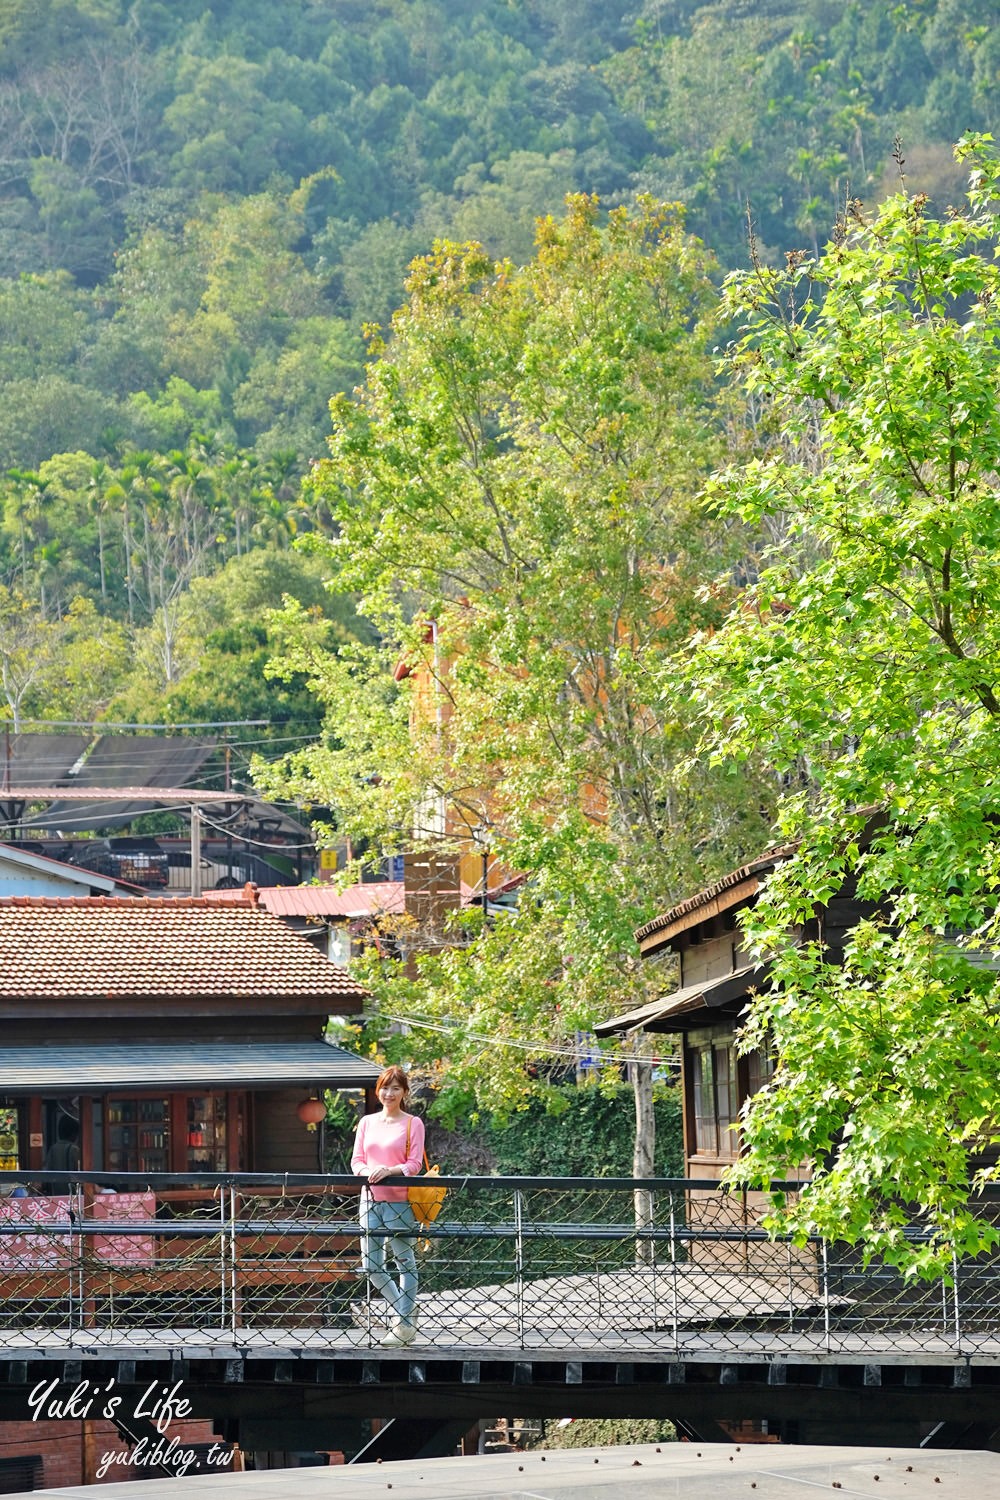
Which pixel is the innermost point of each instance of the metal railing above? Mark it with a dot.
(544, 1265)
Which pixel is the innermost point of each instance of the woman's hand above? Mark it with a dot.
(378, 1173)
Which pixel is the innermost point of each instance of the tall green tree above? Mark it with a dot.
(223, 646)
(515, 496)
(864, 663)
(29, 650)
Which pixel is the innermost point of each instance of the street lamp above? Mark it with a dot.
(481, 837)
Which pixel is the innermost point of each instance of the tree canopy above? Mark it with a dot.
(218, 195)
(170, 285)
(515, 492)
(862, 664)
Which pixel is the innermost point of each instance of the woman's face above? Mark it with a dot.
(392, 1093)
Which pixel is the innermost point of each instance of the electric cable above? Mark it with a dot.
(420, 1024)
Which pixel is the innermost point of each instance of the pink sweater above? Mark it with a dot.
(381, 1142)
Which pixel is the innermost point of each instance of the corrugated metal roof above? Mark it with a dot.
(191, 1064)
(77, 947)
(378, 897)
(709, 995)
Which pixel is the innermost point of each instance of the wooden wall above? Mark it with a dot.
(281, 1141)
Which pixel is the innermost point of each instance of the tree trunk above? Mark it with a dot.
(641, 1073)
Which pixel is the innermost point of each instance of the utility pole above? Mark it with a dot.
(229, 787)
(195, 850)
(481, 836)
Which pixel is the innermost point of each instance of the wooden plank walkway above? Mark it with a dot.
(636, 1299)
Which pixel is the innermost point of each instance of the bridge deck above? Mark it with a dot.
(199, 1343)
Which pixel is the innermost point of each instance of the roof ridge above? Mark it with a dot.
(691, 903)
(238, 900)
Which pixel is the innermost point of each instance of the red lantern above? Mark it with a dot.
(311, 1111)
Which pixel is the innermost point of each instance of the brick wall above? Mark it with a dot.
(61, 1447)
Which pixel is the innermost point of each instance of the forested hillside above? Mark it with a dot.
(202, 202)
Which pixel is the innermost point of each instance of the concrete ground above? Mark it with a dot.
(668, 1471)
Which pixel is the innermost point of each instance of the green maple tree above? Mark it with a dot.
(864, 663)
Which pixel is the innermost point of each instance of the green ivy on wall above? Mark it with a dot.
(592, 1136)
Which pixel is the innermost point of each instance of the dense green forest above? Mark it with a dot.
(203, 202)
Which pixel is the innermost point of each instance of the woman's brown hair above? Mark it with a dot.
(394, 1074)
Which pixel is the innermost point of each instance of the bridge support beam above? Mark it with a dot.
(314, 1396)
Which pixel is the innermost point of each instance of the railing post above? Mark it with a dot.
(366, 1239)
(223, 1252)
(519, 1262)
(653, 1273)
(944, 1308)
(827, 1342)
(674, 1303)
(645, 1245)
(77, 1277)
(956, 1305)
(233, 1258)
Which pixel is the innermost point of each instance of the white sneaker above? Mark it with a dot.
(401, 1333)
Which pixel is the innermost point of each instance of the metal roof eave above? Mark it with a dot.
(80, 1069)
(711, 995)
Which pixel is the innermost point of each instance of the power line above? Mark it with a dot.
(197, 724)
(284, 739)
(421, 1024)
(257, 843)
(48, 822)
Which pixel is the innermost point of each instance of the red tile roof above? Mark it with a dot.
(76, 947)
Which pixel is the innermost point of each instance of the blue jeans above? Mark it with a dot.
(398, 1227)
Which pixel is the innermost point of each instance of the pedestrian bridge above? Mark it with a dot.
(659, 1270)
(541, 1296)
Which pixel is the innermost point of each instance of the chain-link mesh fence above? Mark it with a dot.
(544, 1264)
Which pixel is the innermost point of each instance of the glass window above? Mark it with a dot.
(137, 1135)
(206, 1133)
(760, 1068)
(716, 1100)
(181, 1132)
(9, 1136)
(706, 1130)
(727, 1102)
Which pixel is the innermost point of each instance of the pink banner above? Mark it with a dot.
(36, 1249)
(125, 1208)
(32, 1250)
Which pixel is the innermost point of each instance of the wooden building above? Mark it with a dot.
(174, 1036)
(715, 978)
(181, 1034)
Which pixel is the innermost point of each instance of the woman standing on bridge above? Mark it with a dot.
(387, 1145)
